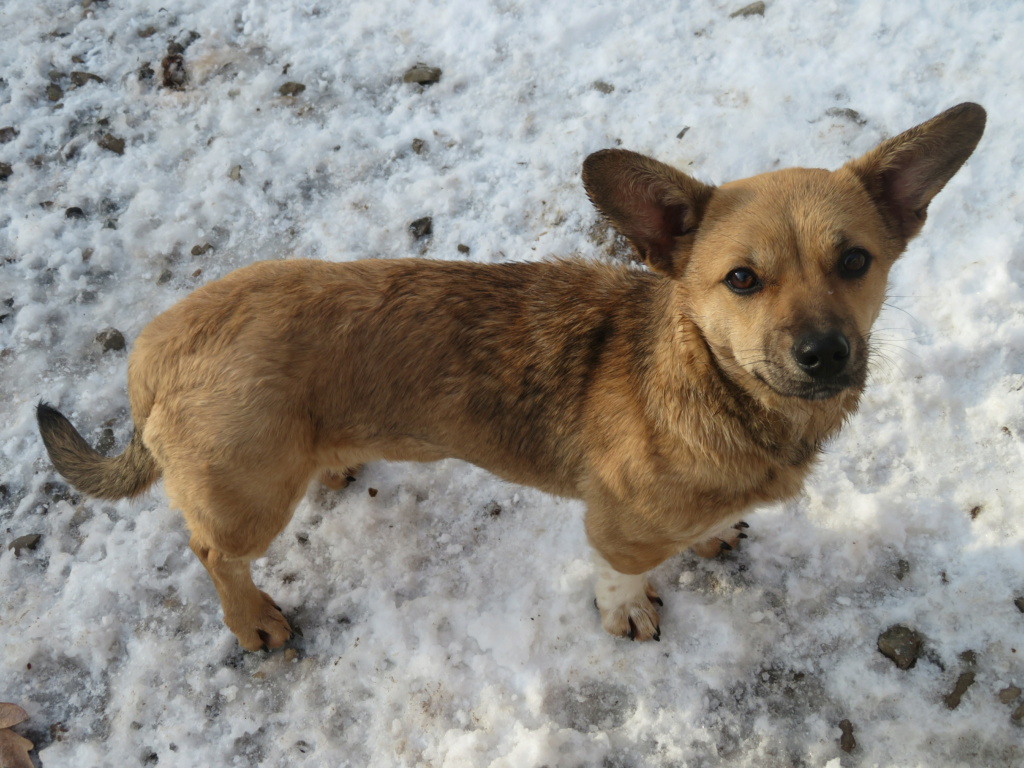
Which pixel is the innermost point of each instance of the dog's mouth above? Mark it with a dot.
(808, 390)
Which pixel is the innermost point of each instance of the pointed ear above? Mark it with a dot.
(904, 173)
(655, 206)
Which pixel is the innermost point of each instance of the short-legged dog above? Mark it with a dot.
(670, 398)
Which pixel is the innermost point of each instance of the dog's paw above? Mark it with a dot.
(260, 626)
(626, 603)
(636, 619)
(723, 541)
(338, 479)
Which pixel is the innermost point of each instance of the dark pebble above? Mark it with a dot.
(965, 681)
(114, 143)
(74, 212)
(111, 339)
(174, 73)
(421, 74)
(8, 134)
(419, 146)
(291, 89)
(754, 9)
(846, 742)
(29, 542)
(199, 250)
(147, 32)
(901, 644)
(372, 492)
(462, 248)
(1019, 602)
(5, 171)
(422, 227)
(146, 72)
(81, 78)
(602, 86)
(54, 92)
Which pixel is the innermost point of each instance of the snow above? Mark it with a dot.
(435, 632)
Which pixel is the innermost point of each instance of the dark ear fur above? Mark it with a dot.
(655, 206)
(905, 172)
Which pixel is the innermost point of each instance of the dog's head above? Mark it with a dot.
(784, 273)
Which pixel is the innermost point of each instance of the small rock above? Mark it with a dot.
(1019, 602)
(174, 48)
(114, 143)
(846, 742)
(146, 72)
(165, 277)
(1009, 694)
(975, 511)
(464, 249)
(74, 212)
(602, 86)
(235, 174)
(81, 78)
(902, 569)
(965, 681)
(5, 171)
(422, 75)
(1018, 714)
(754, 9)
(970, 658)
(291, 89)
(493, 509)
(422, 227)
(901, 644)
(199, 250)
(29, 542)
(54, 92)
(846, 114)
(419, 146)
(8, 134)
(147, 32)
(111, 339)
(372, 492)
(174, 72)
(682, 132)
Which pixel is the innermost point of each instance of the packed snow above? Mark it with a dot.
(447, 617)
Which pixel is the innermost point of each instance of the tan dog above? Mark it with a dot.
(671, 400)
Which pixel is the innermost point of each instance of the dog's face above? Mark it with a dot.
(786, 276)
(784, 273)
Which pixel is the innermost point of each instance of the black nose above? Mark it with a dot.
(822, 355)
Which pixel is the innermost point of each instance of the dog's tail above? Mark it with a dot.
(88, 470)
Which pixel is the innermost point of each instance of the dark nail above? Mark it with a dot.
(741, 535)
(632, 630)
(657, 635)
(657, 600)
(741, 524)
(350, 479)
(726, 546)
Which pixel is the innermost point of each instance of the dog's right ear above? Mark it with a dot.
(655, 206)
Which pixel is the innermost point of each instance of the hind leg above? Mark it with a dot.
(232, 521)
(252, 615)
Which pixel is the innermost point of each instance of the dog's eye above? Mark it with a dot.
(854, 263)
(743, 281)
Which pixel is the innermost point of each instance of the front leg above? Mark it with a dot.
(627, 547)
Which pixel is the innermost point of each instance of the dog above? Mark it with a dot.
(670, 396)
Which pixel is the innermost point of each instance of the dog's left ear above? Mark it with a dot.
(655, 206)
(904, 173)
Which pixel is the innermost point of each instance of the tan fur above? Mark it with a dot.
(667, 401)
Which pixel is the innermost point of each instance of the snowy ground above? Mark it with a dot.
(448, 620)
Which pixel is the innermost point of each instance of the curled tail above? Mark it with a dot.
(88, 470)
